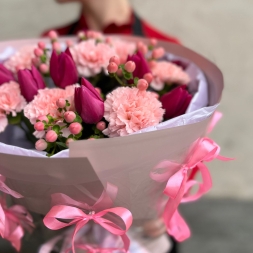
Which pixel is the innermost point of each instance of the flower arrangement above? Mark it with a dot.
(72, 99)
(103, 88)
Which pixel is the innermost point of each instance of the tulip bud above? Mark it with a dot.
(53, 35)
(148, 77)
(112, 67)
(63, 69)
(69, 116)
(176, 102)
(51, 136)
(5, 75)
(69, 43)
(41, 45)
(61, 103)
(142, 84)
(38, 52)
(39, 126)
(43, 118)
(75, 128)
(158, 53)
(101, 125)
(88, 102)
(153, 42)
(57, 46)
(44, 68)
(130, 66)
(68, 141)
(115, 59)
(30, 82)
(41, 145)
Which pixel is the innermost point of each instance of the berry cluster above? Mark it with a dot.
(58, 132)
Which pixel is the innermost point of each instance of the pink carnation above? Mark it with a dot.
(129, 110)
(123, 48)
(22, 59)
(169, 73)
(44, 102)
(91, 57)
(11, 102)
(3, 122)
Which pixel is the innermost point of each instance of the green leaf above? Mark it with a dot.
(62, 145)
(67, 103)
(136, 79)
(56, 128)
(50, 119)
(78, 136)
(127, 75)
(78, 119)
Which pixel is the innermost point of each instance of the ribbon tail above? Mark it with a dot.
(204, 187)
(126, 242)
(223, 158)
(173, 204)
(79, 225)
(15, 237)
(215, 119)
(2, 221)
(178, 228)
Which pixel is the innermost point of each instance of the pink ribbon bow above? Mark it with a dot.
(108, 218)
(16, 221)
(178, 186)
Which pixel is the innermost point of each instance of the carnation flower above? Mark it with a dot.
(91, 57)
(11, 100)
(129, 110)
(123, 49)
(3, 122)
(167, 73)
(44, 102)
(22, 59)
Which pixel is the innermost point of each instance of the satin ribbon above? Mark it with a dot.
(178, 186)
(215, 119)
(17, 220)
(4, 188)
(58, 215)
(93, 249)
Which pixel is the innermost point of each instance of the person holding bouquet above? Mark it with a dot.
(111, 17)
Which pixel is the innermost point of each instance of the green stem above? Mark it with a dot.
(119, 80)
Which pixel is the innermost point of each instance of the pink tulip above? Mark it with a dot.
(30, 82)
(88, 102)
(5, 75)
(176, 102)
(63, 69)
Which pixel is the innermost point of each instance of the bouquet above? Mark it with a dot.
(118, 124)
